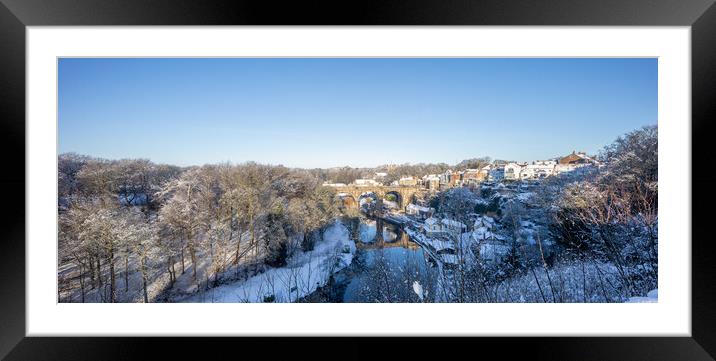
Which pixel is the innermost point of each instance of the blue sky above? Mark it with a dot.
(324, 112)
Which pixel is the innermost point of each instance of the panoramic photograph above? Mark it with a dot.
(357, 180)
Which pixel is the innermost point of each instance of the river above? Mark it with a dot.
(379, 274)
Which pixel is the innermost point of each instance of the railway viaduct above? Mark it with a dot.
(352, 194)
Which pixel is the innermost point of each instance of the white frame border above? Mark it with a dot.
(671, 316)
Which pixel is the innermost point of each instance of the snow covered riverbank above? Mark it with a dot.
(651, 297)
(303, 274)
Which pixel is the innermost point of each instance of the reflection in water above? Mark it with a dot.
(381, 272)
(386, 275)
(368, 231)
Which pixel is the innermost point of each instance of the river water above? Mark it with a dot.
(380, 274)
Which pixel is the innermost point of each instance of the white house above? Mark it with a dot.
(486, 222)
(452, 226)
(445, 177)
(432, 226)
(492, 245)
(408, 181)
(328, 184)
(538, 169)
(471, 177)
(512, 171)
(419, 211)
(485, 171)
(435, 227)
(527, 173)
(365, 182)
(432, 182)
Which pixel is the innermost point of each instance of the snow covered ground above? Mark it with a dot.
(651, 297)
(303, 274)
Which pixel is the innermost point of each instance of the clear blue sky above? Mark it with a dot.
(356, 112)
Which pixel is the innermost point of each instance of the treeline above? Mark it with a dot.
(129, 228)
(396, 171)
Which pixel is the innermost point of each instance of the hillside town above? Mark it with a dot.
(498, 171)
(448, 238)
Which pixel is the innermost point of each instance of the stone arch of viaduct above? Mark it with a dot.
(405, 194)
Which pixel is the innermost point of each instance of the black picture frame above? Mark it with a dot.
(15, 15)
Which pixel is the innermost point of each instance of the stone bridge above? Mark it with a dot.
(352, 194)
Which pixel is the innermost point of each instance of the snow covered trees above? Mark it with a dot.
(185, 212)
(95, 235)
(68, 166)
(142, 241)
(129, 229)
(100, 230)
(613, 216)
(138, 222)
(634, 156)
